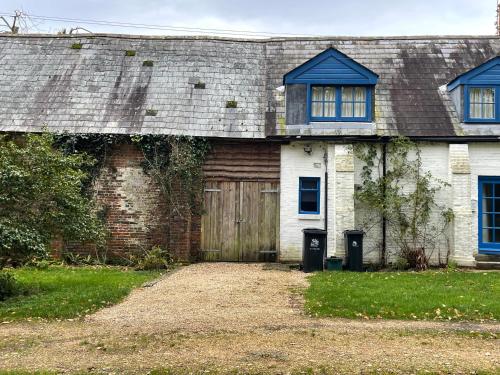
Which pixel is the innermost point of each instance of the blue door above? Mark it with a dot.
(489, 215)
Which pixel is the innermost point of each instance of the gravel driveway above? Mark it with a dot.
(247, 318)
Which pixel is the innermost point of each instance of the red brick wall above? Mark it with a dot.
(137, 214)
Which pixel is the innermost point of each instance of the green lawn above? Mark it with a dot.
(69, 292)
(430, 295)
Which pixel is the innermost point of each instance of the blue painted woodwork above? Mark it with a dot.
(489, 214)
(467, 117)
(339, 116)
(487, 74)
(309, 185)
(331, 67)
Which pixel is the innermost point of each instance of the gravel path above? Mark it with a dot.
(243, 318)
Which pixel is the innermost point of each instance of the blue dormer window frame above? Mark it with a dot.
(339, 115)
(484, 76)
(483, 102)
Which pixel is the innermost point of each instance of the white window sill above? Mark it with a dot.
(308, 217)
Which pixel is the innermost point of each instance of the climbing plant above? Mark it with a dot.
(406, 198)
(174, 162)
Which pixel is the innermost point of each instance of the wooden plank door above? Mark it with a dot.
(259, 221)
(241, 222)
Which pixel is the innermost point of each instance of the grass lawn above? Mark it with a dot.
(69, 292)
(430, 295)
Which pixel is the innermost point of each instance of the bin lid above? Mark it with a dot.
(314, 231)
(353, 231)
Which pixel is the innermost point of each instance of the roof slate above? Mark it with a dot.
(46, 83)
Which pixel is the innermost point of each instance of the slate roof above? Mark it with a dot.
(46, 83)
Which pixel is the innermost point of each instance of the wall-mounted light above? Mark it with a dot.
(308, 149)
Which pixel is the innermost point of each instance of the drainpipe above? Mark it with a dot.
(383, 254)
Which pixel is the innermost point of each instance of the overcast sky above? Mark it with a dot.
(311, 17)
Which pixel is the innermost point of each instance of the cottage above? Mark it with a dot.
(283, 116)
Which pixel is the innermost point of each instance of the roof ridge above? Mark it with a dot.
(255, 40)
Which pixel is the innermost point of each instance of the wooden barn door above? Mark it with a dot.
(241, 221)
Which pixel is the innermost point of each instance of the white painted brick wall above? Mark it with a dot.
(446, 162)
(484, 161)
(296, 163)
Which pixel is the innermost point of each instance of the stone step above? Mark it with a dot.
(487, 265)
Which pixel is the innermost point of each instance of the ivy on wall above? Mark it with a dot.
(174, 162)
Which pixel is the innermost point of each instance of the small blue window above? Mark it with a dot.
(481, 104)
(489, 214)
(339, 103)
(309, 193)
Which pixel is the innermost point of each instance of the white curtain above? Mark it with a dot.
(488, 103)
(482, 103)
(329, 102)
(317, 98)
(353, 102)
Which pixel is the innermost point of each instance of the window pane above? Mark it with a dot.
(487, 235)
(487, 205)
(488, 220)
(359, 109)
(475, 111)
(317, 93)
(330, 109)
(497, 189)
(329, 94)
(309, 201)
(317, 109)
(488, 95)
(497, 222)
(497, 236)
(475, 95)
(347, 94)
(347, 109)
(307, 183)
(488, 190)
(488, 111)
(360, 94)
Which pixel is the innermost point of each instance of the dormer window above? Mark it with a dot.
(476, 92)
(330, 87)
(481, 104)
(339, 103)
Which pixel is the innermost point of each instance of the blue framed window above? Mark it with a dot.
(339, 103)
(481, 104)
(309, 193)
(489, 214)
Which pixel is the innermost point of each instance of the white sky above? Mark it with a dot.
(312, 17)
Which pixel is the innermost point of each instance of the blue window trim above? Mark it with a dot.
(338, 105)
(317, 190)
(486, 247)
(467, 118)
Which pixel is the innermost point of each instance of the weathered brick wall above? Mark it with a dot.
(137, 213)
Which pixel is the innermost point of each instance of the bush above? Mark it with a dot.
(8, 285)
(42, 198)
(154, 259)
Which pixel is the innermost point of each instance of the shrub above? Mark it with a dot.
(8, 285)
(41, 198)
(154, 259)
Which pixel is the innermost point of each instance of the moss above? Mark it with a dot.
(147, 63)
(199, 85)
(231, 104)
(282, 125)
(151, 112)
(129, 53)
(76, 46)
